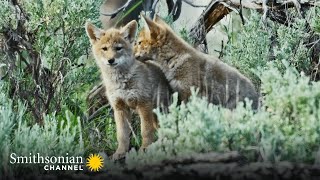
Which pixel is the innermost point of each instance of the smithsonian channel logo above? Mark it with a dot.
(61, 163)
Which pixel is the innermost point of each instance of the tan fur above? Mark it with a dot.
(130, 84)
(185, 67)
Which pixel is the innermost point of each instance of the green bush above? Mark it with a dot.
(56, 137)
(293, 103)
(249, 48)
(316, 20)
(260, 42)
(51, 59)
(66, 72)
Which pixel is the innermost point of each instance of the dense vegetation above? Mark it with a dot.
(43, 107)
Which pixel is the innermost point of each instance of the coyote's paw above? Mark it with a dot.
(117, 156)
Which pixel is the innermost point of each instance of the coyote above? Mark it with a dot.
(184, 67)
(130, 84)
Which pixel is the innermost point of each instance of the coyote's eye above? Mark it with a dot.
(105, 48)
(139, 43)
(118, 48)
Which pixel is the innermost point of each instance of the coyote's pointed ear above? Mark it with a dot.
(154, 28)
(93, 32)
(129, 31)
(159, 20)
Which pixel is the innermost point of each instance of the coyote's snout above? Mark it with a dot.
(130, 84)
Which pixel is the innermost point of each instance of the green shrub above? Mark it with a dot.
(249, 48)
(260, 42)
(316, 20)
(52, 61)
(56, 137)
(291, 46)
(292, 101)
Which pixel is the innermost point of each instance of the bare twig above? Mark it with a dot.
(240, 13)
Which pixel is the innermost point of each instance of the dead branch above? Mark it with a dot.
(214, 12)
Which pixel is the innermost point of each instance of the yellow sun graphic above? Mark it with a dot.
(94, 162)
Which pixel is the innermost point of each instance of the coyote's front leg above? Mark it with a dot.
(147, 124)
(122, 118)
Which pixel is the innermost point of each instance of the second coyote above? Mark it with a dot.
(184, 67)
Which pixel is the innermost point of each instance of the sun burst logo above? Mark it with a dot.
(94, 162)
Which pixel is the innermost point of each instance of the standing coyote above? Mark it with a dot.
(130, 84)
(185, 67)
